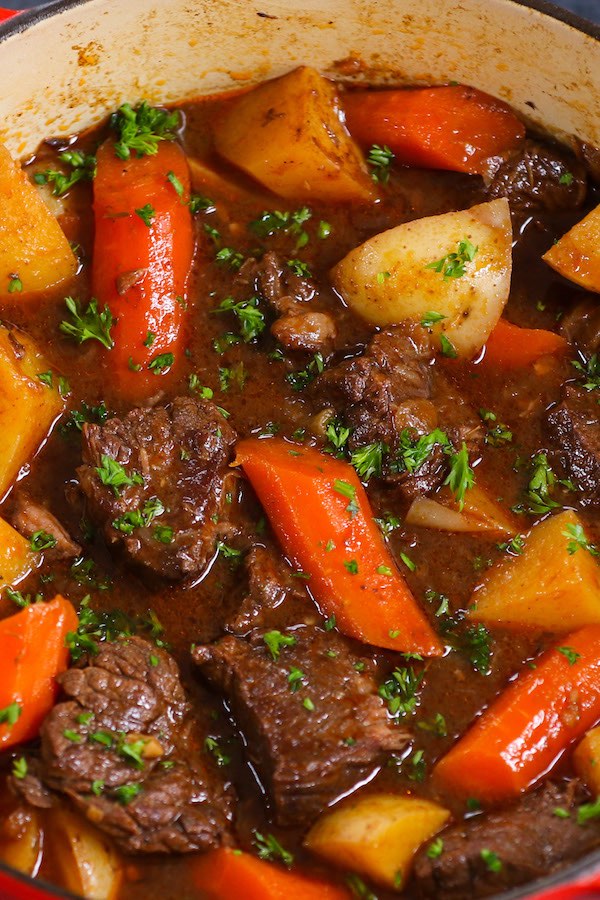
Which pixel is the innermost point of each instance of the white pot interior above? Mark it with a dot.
(81, 59)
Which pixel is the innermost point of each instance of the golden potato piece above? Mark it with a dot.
(28, 407)
(457, 266)
(547, 586)
(586, 760)
(16, 557)
(377, 835)
(576, 255)
(34, 252)
(85, 857)
(288, 134)
(23, 853)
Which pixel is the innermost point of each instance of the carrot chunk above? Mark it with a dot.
(512, 347)
(143, 251)
(32, 653)
(321, 515)
(531, 724)
(224, 874)
(452, 127)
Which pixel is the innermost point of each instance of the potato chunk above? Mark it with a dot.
(288, 134)
(28, 407)
(377, 835)
(586, 760)
(23, 853)
(457, 266)
(88, 862)
(547, 586)
(16, 557)
(576, 255)
(34, 252)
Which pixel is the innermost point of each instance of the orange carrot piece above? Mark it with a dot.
(225, 874)
(452, 127)
(141, 270)
(32, 653)
(530, 725)
(320, 513)
(512, 347)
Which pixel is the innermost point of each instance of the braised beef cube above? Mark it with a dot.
(574, 428)
(581, 327)
(392, 389)
(294, 298)
(30, 518)
(499, 850)
(540, 177)
(123, 748)
(155, 481)
(313, 722)
(271, 582)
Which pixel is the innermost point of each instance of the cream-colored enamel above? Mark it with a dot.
(71, 68)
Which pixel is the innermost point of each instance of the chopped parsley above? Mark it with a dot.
(88, 325)
(174, 180)
(9, 715)
(432, 318)
(453, 264)
(41, 540)
(570, 655)
(358, 888)
(163, 534)
(588, 811)
(276, 641)
(140, 130)
(400, 691)
(299, 268)
(436, 848)
(19, 768)
(541, 483)
(388, 523)
(300, 380)
(112, 474)
(83, 168)
(201, 390)
(15, 285)
(46, 378)
(368, 460)
(515, 546)
(200, 204)
(323, 230)
(578, 539)
(590, 372)
(146, 214)
(351, 566)
(461, 476)
(408, 562)
(566, 178)
(227, 256)
(348, 491)
(250, 317)
(308, 704)
(497, 433)
(128, 792)
(211, 746)
(447, 347)
(413, 453)
(380, 159)
(161, 363)
(269, 223)
(268, 847)
(475, 643)
(492, 861)
(295, 679)
(139, 518)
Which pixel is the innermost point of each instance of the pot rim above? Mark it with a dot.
(565, 877)
(32, 16)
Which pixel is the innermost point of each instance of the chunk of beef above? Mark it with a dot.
(297, 328)
(539, 177)
(392, 388)
(310, 739)
(270, 583)
(581, 327)
(574, 428)
(528, 838)
(29, 517)
(172, 511)
(123, 748)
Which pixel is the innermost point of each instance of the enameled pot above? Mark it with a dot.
(66, 65)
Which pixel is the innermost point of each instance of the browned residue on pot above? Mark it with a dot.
(88, 54)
